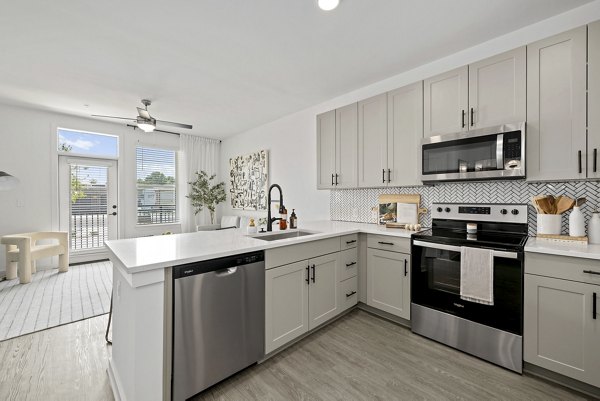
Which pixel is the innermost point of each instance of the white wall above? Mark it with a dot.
(291, 140)
(28, 151)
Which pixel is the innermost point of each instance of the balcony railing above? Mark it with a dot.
(156, 214)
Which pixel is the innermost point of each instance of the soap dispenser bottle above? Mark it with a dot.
(293, 219)
(283, 216)
(594, 228)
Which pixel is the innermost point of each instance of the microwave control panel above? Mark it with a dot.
(512, 145)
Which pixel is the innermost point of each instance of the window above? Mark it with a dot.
(156, 186)
(87, 143)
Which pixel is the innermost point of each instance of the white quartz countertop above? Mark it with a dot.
(562, 248)
(157, 252)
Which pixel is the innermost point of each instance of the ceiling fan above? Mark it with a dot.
(146, 122)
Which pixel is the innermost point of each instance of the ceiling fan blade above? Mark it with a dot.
(167, 132)
(144, 113)
(180, 125)
(118, 118)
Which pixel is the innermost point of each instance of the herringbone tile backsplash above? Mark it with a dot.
(356, 204)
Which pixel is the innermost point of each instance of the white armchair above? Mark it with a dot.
(22, 250)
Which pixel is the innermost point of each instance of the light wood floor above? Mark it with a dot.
(63, 363)
(359, 357)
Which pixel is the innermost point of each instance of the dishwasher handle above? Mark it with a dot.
(226, 272)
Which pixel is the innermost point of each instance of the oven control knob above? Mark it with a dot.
(447, 210)
(439, 209)
(515, 211)
(503, 211)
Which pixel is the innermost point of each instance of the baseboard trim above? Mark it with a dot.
(545, 374)
(115, 382)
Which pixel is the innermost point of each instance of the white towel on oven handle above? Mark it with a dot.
(477, 275)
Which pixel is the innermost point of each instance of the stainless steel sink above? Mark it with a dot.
(283, 235)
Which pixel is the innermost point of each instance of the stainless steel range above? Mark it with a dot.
(491, 330)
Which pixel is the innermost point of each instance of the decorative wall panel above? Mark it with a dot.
(356, 204)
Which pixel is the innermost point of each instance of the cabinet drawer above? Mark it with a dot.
(348, 293)
(564, 267)
(349, 264)
(349, 241)
(389, 243)
(306, 250)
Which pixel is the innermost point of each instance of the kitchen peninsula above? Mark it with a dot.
(140, 365)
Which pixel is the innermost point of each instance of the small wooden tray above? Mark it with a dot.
(399, 225)
(563, 238)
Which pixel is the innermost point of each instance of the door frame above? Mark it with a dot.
(64, 209)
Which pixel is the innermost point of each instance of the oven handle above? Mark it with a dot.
(454, 248)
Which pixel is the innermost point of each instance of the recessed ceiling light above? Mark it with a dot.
(328, 5)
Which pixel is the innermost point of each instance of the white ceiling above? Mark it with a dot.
(226, 66)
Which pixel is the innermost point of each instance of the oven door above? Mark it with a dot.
(436, 284)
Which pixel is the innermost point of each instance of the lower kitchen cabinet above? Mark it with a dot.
(388, 282)
(561, 326)
(286, 306)
(299, 297)
(323, 289)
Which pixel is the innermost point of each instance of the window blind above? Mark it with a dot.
(156, 186)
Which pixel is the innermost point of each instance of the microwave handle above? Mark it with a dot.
(454, 248)
(500, 151)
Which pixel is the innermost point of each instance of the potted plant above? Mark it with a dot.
(203, 194)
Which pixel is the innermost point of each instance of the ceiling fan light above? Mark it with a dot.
(7, 181)
(146, 126)
(328, 5)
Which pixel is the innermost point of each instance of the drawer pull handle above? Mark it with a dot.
(591, 272)
(594, 306)
(385, 243)
(354, 292)
(350, 264)
(350, 242)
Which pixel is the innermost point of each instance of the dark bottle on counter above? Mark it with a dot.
(293, 219)
(283, 220)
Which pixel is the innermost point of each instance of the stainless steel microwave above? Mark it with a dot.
(483, 154)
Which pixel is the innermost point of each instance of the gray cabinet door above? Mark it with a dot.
(326, 150)
(560, 333)
(286, 304)
(497, 89)
(346, 146)
(593, 161)
(446, 102)
(405, 131)
(372, 141)
(388, 282)
(556, 107)
(323, 289)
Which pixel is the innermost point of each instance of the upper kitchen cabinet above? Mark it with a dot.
(346, 141)
(446, 102)
(326, 150)
(593, 115)
(372, 141)
(497, 90)
(337, 132)
(556, 107)
(405, 131)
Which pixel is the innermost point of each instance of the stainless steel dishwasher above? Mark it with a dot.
(218, 320)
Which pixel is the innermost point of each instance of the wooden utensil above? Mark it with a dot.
(564, 204)
(580, 201)
(546, 204)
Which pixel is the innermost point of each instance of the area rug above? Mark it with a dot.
(53, 299)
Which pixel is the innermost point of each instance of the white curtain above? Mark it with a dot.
(197, 154)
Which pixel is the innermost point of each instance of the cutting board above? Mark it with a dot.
(407, 206)
(407, 213)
